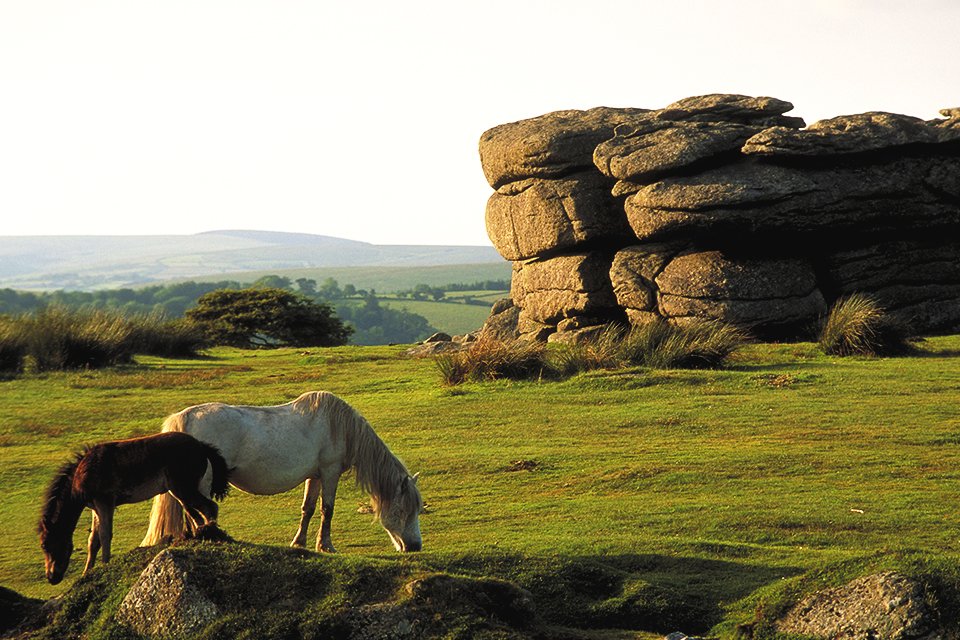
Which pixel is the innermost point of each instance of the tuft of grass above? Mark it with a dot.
(12, 347)
(157, 336)
(488, 359)
(657, 345)
(858, 325)
(697, 344)
(602, 352)
(57, 339)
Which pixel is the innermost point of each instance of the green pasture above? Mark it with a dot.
(450, 316)
(723, 490)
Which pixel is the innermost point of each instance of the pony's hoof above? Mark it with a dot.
(326, 549)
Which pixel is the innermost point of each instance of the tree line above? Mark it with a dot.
(360, 309)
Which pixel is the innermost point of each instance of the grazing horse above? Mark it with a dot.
(315, 438)
(109, 474)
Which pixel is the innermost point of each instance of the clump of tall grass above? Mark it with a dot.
(57, 338)
(603, 351)
(489, 359)
(694, 344)
(658, 344)
(12, 347)
(858, 325)
(157, 336)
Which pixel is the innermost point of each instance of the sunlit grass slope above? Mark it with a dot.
(709, 484)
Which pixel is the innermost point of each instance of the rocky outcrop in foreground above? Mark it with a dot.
(723, 207)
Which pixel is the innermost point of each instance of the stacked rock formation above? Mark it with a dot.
(722, 207)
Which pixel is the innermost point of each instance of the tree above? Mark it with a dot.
(262, 317)
(272, 282)
(307, 286)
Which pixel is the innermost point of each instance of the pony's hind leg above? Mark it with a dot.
(93, 544)
(328, 496)
(311, 491)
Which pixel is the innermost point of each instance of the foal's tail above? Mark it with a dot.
(221, 474)
(166, 515)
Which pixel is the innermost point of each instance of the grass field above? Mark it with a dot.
(450, 315)
(726, 488)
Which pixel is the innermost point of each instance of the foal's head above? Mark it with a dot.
(400, 515)
(60, 514)
(57, 549)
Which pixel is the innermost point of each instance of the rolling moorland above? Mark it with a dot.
(99, 262)
(637, 500)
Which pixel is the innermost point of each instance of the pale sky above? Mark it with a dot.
(360, 119)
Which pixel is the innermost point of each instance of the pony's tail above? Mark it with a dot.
(221, 474)
(166, 515)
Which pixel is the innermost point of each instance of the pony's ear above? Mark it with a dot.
(415, 477)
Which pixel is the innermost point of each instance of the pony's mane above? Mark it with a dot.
(378, 471)
(59, 493)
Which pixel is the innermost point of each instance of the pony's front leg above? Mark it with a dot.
(93, 544)
(311, 491)
(104, 514)
(327, 497)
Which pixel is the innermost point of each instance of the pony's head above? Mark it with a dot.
(61, 510)
(57, 550)
(399, 514)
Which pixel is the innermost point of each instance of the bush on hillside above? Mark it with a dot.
(858, 325)
(264, 318)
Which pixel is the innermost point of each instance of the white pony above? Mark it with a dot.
(316, 438)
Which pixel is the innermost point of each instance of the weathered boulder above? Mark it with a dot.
(760, 294)
(885, 606)
(502, 322)
(758, 198)
(563, 286)
(535, 217)
(860, 133)
(727, 107)
(633, 274)
(553, 145)
(166, 601)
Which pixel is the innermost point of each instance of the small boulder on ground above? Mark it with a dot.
(165, 600)
(883, 606)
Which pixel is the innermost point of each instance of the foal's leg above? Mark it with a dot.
(103, 510)
(311, 491)
(199, 508)
(93, 544)
(328, 496)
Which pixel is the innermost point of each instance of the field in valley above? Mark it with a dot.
(723, 490)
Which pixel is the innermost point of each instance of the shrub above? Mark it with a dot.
(488, 359)
(260, 318)
(57, 338)
(858, 325)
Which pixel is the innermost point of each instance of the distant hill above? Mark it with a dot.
(98, 262)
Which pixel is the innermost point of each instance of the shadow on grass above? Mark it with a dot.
(626, 591)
